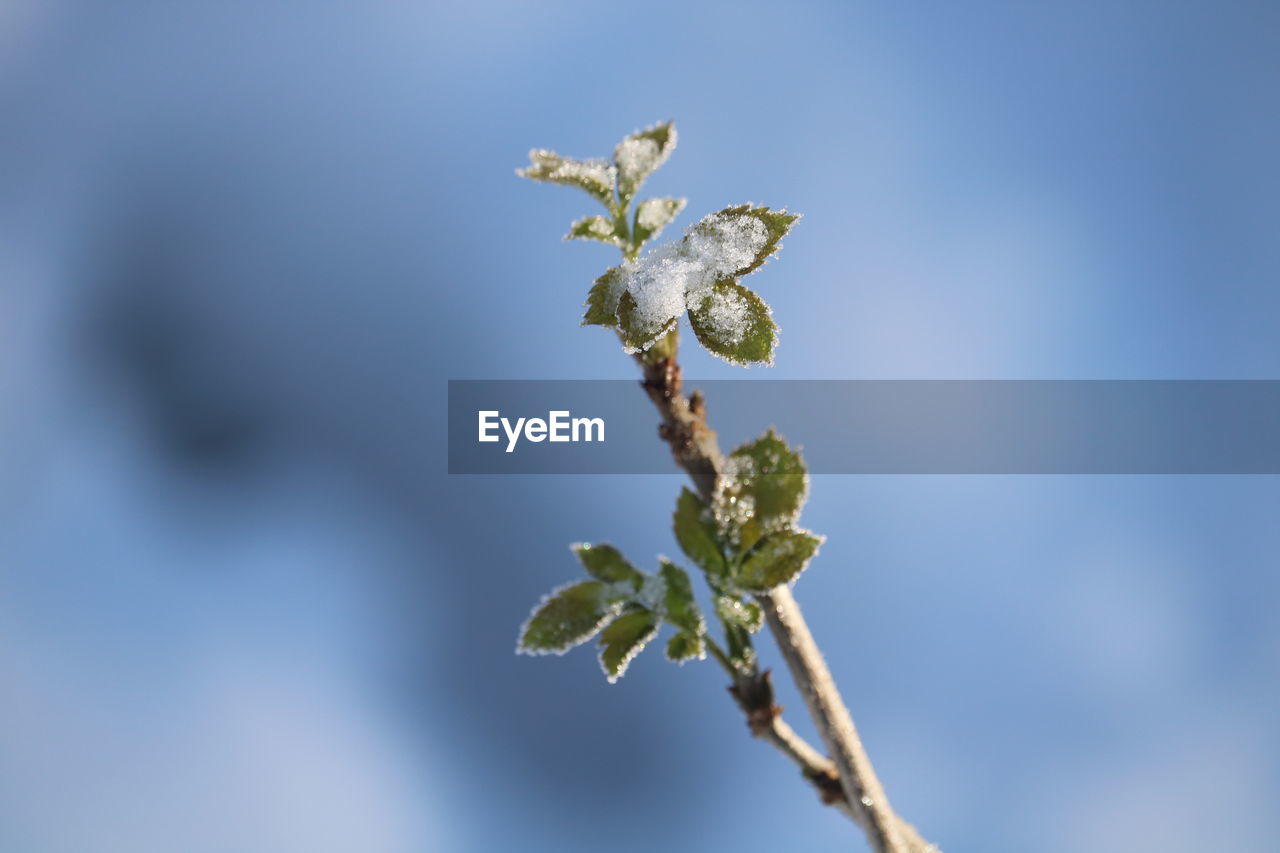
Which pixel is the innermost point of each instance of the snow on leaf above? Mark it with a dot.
(777, 559)
(652, 215)
(640, 154)
(642, 328)
(734, 323)
(625, 638)
(595, 176)
(568, 616)
(594, 228)
(747, 235)
(696, 274)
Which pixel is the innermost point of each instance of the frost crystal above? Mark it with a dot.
(595, 176)
(728, 244)
(664, 282)
(651, 217)
(638, 156)
(595, 171)
(653, 593)
(726, 316)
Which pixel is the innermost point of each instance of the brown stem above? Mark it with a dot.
(695, 448)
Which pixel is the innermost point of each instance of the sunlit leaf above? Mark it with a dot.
(696, 533)
(763, 486)
(679, 606)
(567, 617)
(777, 559)
(606, 563)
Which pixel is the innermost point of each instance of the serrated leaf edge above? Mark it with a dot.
(631, 654)
(817, 549)
(611, 612)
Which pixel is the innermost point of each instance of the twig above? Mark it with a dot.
(695, 448)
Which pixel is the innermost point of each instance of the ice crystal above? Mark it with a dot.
(654, 213)
(595, 176)
(637, 156)
(640, 154)
(726, 315)
(667, 280)
(652, 593)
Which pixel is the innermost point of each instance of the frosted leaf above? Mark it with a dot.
(606, 563)
(639, 330)
(625, 638)
(694, 274)
(777, 559)
(652, 592)
(734, 323)
(685, 646)
(678, 603)
(602, 299)
(769, 475)
(594, 228)
(734, 612)
(727, 244)
(595, 176)
(568, 616)
(636, 157)
(640, 154)
(732, 510)
(695, 530)
(652, 215)
(743, 226)
(655, 294)
(725, 316)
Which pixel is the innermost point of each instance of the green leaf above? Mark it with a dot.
(652, 215)
(739, 222)
(606, 563)
(777, 559)
(640, 332)
(696, 533)
(625, 637)
(681, 608)
(734, 323)
(602, 300)
(763, 487)
(640, 154)
(594, 228)
(595, 176)
(745, 614)
(568, 616)
(684, 646)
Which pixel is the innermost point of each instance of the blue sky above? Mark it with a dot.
(243, 247)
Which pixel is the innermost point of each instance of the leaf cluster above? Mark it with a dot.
(729, 319)
(745, 541)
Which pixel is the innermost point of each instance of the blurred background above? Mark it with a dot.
(244, 245)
